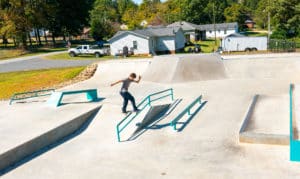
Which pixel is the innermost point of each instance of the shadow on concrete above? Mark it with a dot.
(83, 102)
(51, 146)
(153, 116)
(190, 118)
(27, 102)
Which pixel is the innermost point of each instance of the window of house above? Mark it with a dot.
(135, 44)
(225, 31)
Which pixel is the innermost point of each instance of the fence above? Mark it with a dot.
(30, 94)
(278, 45)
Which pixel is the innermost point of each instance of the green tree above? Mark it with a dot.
(261, 14)
(103, 17)
(72, 20)
(252, 4)
(171, 11)
(286, 17)
(194, 11)
(16, 14)
(237, 13)
(132, 18)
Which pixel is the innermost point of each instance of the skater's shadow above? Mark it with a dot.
(190, 117)
(154, 116)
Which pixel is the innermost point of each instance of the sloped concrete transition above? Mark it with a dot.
(214, 144)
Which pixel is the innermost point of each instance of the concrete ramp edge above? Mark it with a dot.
(259, 138)
(28, 148)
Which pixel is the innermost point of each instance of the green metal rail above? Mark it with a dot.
(187, 110)
(142, 105)
(30, 94)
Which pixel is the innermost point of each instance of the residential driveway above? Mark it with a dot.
(37, 62)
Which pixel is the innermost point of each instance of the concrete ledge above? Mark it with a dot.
(28, 148)
(249, 114)
(259, 138)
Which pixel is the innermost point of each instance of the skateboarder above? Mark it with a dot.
(124, 91)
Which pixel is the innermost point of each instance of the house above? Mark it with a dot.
(191, 31)
(85, 33)
(148, 41)
(195, 32)
(219, 30)
(249, 24)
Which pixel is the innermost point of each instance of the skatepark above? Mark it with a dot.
(240, 127)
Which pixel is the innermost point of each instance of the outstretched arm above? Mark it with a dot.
(116, 82)
(139, 79)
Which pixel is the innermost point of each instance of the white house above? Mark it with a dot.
(195, 32)
(222, 30)
(148, 41)
(191, 31)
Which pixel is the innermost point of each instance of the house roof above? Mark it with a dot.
(232, 25)
(235, 35)
(150, 32)
(186, 26)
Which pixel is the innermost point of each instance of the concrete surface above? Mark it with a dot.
(270, 115)
(185, 68)
(34, 145)
(267, 121)
(207, 147)
(39, 63)
(25, 121)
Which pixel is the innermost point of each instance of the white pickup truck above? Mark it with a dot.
(88, 50)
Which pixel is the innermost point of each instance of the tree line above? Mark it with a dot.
(66, 18)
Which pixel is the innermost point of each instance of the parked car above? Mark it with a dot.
(88, 50)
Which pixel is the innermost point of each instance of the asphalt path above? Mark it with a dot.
(37, 63)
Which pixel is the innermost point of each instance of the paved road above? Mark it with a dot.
(37, 62)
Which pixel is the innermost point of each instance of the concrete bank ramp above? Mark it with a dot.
(110, 71)
(184, 68)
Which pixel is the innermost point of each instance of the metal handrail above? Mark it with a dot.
(187, 110)
(141, 107)
(35, 94)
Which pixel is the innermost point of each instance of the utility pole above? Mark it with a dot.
(269, 23)
(214, 19)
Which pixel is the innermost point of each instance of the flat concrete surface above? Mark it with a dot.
(207, 147)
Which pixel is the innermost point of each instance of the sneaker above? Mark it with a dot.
(136, 110)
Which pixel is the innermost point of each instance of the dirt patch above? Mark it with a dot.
(87, 73)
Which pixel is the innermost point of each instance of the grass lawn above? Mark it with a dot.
(66, 56)
(15, 82)
(207, 46)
